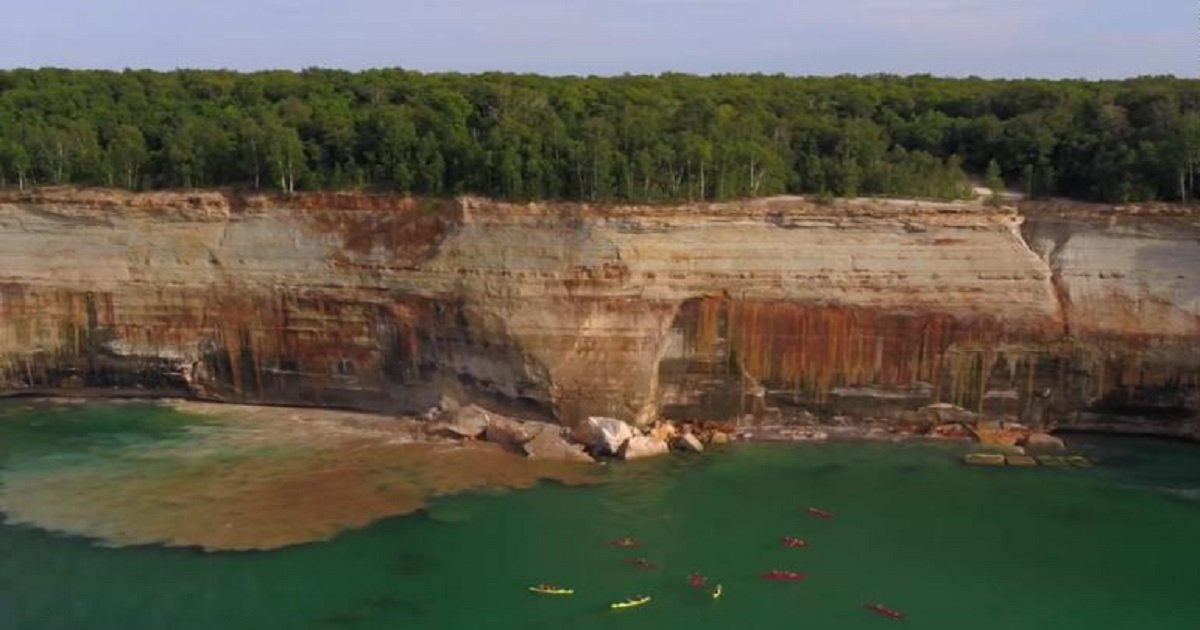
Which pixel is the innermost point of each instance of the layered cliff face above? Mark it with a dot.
(1129, 282)
(764, 307)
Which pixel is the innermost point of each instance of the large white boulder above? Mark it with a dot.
(608, 435)
(688, 442)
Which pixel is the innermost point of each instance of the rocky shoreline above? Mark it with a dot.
(602, 437)
(599, 438)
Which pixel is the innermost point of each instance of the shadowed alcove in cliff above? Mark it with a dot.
(397, 355)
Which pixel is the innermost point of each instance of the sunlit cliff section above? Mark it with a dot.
(771, 308)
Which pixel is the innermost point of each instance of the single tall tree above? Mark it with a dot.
(994, 180)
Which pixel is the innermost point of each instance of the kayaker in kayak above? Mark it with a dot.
(631, 602)
(880, 609)
(625, 542)
(697, 580)
(640, 563)
(716, 592)
(819, 513)
(550, 589)
(792, 542)
(784, 576)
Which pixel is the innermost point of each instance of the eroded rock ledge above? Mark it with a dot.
(772, 308)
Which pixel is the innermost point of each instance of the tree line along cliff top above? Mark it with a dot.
(619, 139)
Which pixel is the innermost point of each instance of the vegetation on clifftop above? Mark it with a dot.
(635, 138)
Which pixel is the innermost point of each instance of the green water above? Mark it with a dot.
(954, 547)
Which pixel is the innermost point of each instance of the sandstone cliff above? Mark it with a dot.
(868, 307)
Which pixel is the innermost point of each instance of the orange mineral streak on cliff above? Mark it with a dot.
(812, 350)
(565, 309)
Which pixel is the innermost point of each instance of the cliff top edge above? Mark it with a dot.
(218, 202)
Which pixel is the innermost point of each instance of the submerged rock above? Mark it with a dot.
(640, 446)
(608, 435)
(984, 459)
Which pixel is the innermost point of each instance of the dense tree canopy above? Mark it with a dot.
(636, 138)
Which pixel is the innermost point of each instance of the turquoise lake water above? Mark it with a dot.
(1115, 546)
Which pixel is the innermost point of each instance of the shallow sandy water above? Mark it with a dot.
(240, 478)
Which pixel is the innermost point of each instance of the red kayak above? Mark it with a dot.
(819, 513)
(640, 563)
(880, 609)
(697, 580)
(791, 542)
(784, 576)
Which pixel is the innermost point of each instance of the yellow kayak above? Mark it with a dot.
(548, 589)
(632, 602)
(716, 592)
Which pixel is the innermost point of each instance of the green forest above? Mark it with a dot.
(625, 138)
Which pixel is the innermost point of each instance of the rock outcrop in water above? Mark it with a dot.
(1060, 314)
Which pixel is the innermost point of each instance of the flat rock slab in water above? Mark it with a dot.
(1026, 461)
(984, 459)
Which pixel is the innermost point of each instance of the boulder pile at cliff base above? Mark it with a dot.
(597, 437)
(603, 437)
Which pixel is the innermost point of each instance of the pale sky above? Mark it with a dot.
(1010, 38)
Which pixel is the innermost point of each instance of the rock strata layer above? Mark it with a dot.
(1054, 314)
